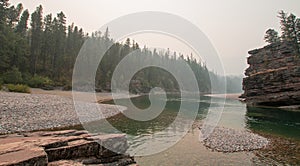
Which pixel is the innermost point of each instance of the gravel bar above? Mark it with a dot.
(28, 112)
(230, 140)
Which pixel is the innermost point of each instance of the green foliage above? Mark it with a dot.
(13, 76)
(290, 28)
(290, 31)
(3, 10)
(1, 80)
(18, 88)
(26, 76)
(40, 82)
(21, 28)
(271, 36)
(1, 83)
(36, 37)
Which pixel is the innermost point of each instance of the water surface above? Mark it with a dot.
(271, 122)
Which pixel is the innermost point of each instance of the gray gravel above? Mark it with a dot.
(28, 112)
(230, 140)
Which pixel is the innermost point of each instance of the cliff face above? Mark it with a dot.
(273, 77)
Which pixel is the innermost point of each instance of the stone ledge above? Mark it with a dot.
(69, 147)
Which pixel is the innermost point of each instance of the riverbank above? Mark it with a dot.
(100, 97)
(42, 110)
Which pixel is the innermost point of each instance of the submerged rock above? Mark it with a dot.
(230, 140)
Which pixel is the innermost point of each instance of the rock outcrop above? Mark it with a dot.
(273, 77)
(68, 147)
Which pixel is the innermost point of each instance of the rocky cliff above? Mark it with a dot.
(273, 76)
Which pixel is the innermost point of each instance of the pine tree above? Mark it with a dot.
(13, 14)
(291, 28)
(271, 36)
(283, 25)
(21, 28)
(288, 27)
(47, 45)
(298, 29)
(3, 11)
(36, 37)
(298, 35)
(106, 34)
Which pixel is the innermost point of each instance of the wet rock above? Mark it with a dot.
(111, 144)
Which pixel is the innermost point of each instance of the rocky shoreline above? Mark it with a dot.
(31, 112)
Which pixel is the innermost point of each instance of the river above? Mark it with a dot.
(281, 127)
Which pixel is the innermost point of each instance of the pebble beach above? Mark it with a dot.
(29, 112)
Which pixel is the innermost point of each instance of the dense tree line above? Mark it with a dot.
(44, 48)
(290, 30)
(42, 53)
(145, 79)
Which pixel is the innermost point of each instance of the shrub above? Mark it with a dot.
(13, 76)
(18, 88)
(40, 82)
(1, 80)
(26, 77)
(67, 87)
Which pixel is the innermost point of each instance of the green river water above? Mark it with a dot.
(281, 127)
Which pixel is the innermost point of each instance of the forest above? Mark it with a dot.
(40, 52)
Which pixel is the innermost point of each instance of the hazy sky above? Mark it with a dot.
(233, 26)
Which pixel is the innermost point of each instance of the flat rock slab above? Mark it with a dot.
(30, 156)
(69, 147)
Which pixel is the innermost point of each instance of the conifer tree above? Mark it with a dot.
(22, 26)
(36, 37)
(271, 36)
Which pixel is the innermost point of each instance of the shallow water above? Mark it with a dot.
(189, 150)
